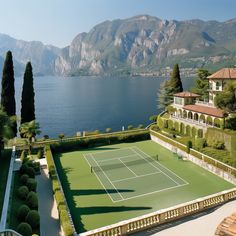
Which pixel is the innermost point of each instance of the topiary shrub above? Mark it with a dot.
(32, 200)
(24, 178)
(31, 184)
(24, 229)
(33, 219)
(30, 172)
(189, 145)
(23, 192)
(22, 212)
(23, 168)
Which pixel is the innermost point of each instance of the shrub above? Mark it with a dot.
(23, 168)
(189, 145)
(33, 219)
(200, 143)
(36, 167)
(218, 145)
(108, 130)
(30, 172)
(130, 127)
(32, 200)
(61, 136)
(24, 229)
(22, 212)
(45, 137)
(23, 156)
(31, 184)
(23, 192)
(24, 178)
(140, 126)
(40, 154)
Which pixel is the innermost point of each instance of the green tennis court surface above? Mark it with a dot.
(127, 181)
(131, 168)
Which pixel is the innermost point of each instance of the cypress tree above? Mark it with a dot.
(168, 88)
(175, 80)
(27, 98)
(8, 102)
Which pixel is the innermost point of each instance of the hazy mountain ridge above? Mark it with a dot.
(149, 45)
(42, 56)
(141, 45)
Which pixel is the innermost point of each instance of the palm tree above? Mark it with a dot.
(29, 130)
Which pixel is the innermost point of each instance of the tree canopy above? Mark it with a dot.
(8, 102)
(168, 88)
(226, 100)
(27, 99)
(201, 83)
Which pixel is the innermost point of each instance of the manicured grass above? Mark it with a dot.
(4, 167)
(90, 205)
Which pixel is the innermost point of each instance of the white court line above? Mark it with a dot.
(127, 167)
(145, 194)
(94, 153)
(106, 176)
(111, 159)
(161, 165)
(155, 167)
(84, 155)
(139, 176)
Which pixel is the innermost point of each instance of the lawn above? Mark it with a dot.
(128, 181)
(4, 167)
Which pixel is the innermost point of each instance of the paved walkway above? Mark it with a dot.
(49, 220)
(200, 225)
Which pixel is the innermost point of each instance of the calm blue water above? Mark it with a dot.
(68, 105)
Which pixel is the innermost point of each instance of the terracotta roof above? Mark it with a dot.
(205, 110)
(186, 94)
(225, 73)
(227, 226)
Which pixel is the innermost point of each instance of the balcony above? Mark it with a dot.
(204, 103)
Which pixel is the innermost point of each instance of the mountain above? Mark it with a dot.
(146, 45)
(42, 56)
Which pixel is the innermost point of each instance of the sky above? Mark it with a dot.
(57, 22)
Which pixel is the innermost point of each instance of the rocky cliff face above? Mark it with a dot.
(42, 56)
(141, 45)
(145, 44)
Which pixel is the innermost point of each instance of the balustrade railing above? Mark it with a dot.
(163, 216)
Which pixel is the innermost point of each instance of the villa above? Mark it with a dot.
(202, 114)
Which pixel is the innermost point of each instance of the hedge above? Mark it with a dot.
(198, 155)
(168, 140)
(99, 140)
(59, 196)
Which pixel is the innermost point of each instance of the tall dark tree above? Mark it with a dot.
(175, 81)
(8, 102)
(168, 88)
(5, 129)
(27, 98)
(201, 84)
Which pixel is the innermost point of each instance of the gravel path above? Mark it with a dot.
(202, 224)
(49, 220)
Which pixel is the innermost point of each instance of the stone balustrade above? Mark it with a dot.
(163, 216)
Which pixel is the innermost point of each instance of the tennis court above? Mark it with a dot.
(131, 168)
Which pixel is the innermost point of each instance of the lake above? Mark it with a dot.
(72, 104)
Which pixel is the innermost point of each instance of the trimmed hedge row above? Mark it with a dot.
(198, 155)
(168, 140)
(59, 196)
(99, 140)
